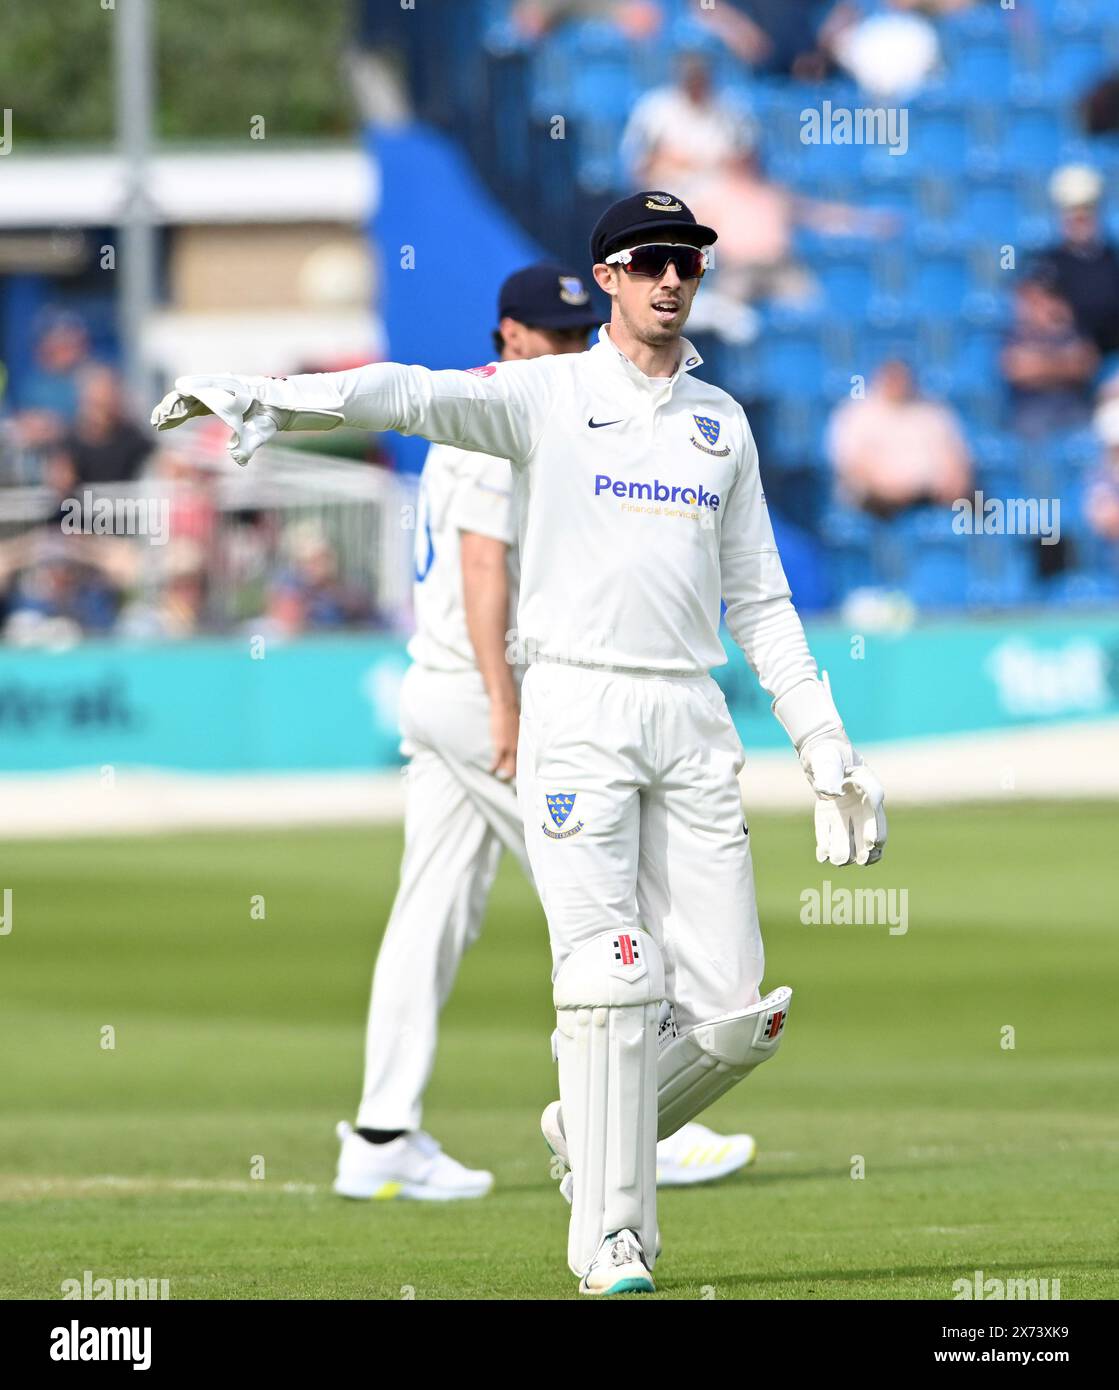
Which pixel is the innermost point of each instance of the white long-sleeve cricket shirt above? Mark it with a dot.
(639, 503)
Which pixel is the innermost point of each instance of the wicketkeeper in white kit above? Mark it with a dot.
(459, 715)
(639, 505)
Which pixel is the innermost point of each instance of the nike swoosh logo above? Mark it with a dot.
(601, 424)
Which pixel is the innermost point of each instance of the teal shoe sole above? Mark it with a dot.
(637, 1283)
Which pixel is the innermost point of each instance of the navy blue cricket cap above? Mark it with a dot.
(546, 295)
(648, 216)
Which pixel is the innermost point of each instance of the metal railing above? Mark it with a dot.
(239, 531)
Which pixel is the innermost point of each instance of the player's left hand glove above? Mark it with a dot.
(850, 813)
(850, 803)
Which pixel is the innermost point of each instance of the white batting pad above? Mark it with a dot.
(697, 1067)
(608, 995)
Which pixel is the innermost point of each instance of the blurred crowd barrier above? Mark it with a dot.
(299, 543)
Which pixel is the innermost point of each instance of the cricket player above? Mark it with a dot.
(639, 505)
(459, 706)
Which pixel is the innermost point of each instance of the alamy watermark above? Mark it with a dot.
(980, 1287)
(859, 125)
(78, 1343)
(89, 1286)
(89, 515)
(856, 907)
(1008, 516)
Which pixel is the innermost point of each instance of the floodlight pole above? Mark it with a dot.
(136, 255)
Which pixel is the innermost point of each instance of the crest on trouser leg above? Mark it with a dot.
(560, 806)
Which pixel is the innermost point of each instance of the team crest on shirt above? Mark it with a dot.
(709, 428)
(560, 806)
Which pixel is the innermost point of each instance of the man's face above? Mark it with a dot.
(894, 382)
(523, 341)
(62, 347)
(654, 309)
(695, 79)
(1081, 224)
(1040, 308)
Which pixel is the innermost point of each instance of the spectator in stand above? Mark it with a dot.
(895, 450)
(192, 496)
(637, 19)
(890, 54)
(684, 135)
(178, 607)
(62, 349)
(689, 138)
(308, 595)
(48, 401)
(1047, 363)
(61, 591)
(106, 446)
(779, 37)
(1099, 107)
(1084, 266)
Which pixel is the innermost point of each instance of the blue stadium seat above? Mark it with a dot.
(1077, 453)
(1034, 134)
(791, 359)
(847, 283)
(927, 558)
(941, 283)
(1076, 63)
(997, 458)
(1082, 589)
(1001, 571)
(990, 208)
(938, 138)
(849, 537)
(985, 65)
(938, 577)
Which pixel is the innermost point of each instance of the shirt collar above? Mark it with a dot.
(689, 360)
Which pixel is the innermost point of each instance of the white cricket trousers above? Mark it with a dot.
(654, 835)
(457, 820)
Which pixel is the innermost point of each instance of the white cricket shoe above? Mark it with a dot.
(697, 1154)
(411, 1168)
(618, 1267)
(692, 1155)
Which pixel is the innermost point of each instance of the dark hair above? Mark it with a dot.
(498, 342)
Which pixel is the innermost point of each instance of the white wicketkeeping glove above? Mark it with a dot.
(850, 813)
(850, 809)
(235, 399)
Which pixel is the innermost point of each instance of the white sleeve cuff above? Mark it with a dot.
(806, 711)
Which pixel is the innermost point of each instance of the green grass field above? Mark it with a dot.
(237, 1037)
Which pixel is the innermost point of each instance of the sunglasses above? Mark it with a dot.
(651, 260)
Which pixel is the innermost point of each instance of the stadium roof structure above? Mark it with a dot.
(321, 184)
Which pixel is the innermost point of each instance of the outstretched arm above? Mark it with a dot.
(498, 409)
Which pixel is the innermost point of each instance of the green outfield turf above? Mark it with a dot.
(237, 1038)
